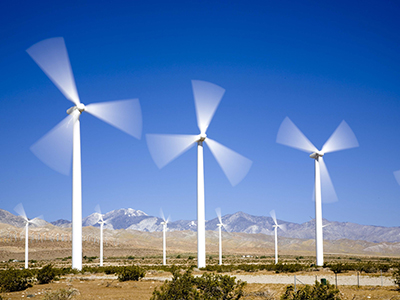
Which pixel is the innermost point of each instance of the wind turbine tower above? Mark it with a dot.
(276, 226)
(20, 210)
(342, 138)
(165, 148)
(164, 224)
(56, 148)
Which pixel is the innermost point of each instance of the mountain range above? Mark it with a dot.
(241, 222)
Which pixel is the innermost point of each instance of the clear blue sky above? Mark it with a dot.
(316, 62)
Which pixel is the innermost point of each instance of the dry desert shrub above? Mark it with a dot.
(61, 294)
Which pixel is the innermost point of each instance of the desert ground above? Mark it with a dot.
(124, 247)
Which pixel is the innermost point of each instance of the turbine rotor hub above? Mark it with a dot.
(317, 154)
(80, 107)
(202, 137)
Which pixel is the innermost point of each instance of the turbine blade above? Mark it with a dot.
(207, 96)
(290, 135)
(97, 209)
(55, 148)
(328, 193)
(218, 212)
(234, 165)
(282, 226)
(397, 176)
(126, 115)
(164, 148)
(169, 217)
(37, 220)
(52, 57)
(162, 214)
(19, 209)
(342, 138)
(273, 216)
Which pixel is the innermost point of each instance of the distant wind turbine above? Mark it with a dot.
(19, 209)
(164, 224)
(220, 225)
(342, 138)
(101, 222)
(56, 147)
(165, 148)
(276, 226)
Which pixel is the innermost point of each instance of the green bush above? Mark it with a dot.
(12, 280)
(46, 274)
(130, 273)
(315, 292)
(207, 287)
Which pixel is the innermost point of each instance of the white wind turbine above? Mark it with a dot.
(276, 226)
(342, 138)
(220, 225)
(101, 222)
(164, 148)
(164, 224)
(20, 210)
(56, 147)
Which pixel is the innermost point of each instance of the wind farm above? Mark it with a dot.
(243, 83)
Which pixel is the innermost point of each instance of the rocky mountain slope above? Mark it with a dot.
(239, 222)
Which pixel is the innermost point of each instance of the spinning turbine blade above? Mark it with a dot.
(36, 220)
(162, 214)
(282, 226)
(19, 209)
(234, 165)
(125, 115)
(273, 216)
(397, 176)
(342, 138)
(218, 212)
(328, 193)
(206, 98)
(55, 148)
(291, 136)
(52, 57)
(166, 147)
(97, 209)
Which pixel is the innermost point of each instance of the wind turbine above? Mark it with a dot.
(342, 138)
(19, 209)
(164, 224)
(276, 226)
(52, 57)
(101, 222)
(220, 225)
(165, 148)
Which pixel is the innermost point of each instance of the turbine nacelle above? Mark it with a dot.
(202, 137)
(80, 107)
(317, 154)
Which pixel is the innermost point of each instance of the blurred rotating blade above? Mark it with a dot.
(290, 135)
(218, 212)
(397, 176)
(52, 57)
(273, 216)
(19, 209)
(55, 148)
(342, 138)
(37, 220)
(234, 165)
(126, 115)
(328, 193)
(164, 148)
(206, 98)
(162, 214)
(282, 226)
(98, 211)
